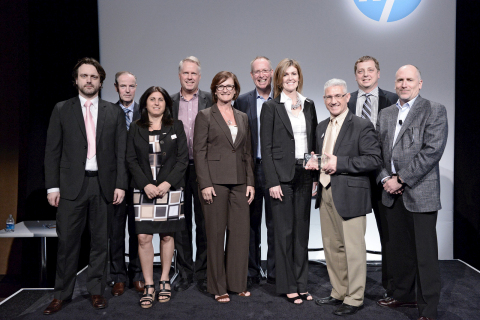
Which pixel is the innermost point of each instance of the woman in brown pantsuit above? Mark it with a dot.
(223, 161)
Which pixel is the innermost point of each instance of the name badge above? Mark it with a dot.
(174, 136)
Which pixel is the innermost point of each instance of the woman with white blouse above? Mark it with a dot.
(287, 132)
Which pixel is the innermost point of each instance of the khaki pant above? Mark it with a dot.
(345, 251)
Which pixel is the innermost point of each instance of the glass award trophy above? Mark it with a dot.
(310, 161)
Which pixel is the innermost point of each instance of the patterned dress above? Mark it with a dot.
(158, 215)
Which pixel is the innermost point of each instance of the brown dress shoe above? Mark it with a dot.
(118, 289)
(99, 302)
(392, 303)
(139, 285)
(53, 307)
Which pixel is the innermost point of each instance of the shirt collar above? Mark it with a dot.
(270, 96)
(374, 92)
(132, 105)
(83, 100)
(284, 98)
(194, 95)
(341, 116)
(406, 105)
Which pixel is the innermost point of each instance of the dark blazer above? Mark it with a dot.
(248, 103)
(66, 149)
(204, 101)
(385, 99)
(218, 160)
(136, 110)
(173, 144)
(416, 153)
(358, 153)
(278, 143)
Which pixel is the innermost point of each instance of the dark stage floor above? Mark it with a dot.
(460, 299)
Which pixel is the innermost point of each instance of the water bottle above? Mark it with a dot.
(10, 224)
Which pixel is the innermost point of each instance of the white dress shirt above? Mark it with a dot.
(299, 125)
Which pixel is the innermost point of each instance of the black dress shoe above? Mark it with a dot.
(346, 310)
(328, 301)
(182, 284)
(392, 303)
(202, 285)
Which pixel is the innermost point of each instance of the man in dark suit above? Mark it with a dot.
(251, 103)
(351, 145)
(186, 104)
(125, 85)
(412, 134)
(84, 175)
(367, 73)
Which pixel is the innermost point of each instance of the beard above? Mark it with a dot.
(89, 92)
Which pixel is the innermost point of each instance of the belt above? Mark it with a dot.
(191, 162)
(91, 173)
(299, 161)
(258, 161)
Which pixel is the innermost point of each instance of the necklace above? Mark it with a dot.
(298, 104)
(226, 117)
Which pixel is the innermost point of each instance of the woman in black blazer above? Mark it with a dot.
(157, 156)
(287, 132)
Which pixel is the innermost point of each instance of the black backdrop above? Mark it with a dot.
(46, 38)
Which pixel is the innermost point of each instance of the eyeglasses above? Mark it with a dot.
(337, 97)
(264, 71)
(229, 87)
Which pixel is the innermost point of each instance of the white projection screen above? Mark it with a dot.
(149, 38)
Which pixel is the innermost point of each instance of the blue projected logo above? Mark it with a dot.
(393, 9)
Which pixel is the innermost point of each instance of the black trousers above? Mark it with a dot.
(413, 239)
(256, 210)
(89, 208)
(183, 239)
(382, 226)
(291, 218)
(118, 269)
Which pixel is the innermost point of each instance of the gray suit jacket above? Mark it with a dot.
(358, 154)
(416, 153)
(204, 101)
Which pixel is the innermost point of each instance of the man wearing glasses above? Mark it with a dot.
(351, 145)
(366, 103)
(251, 103)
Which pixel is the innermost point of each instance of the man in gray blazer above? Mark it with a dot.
(186, 104)
(412, 134)
(85, 174)
(251, 103)
(351, 145)
(367, 102)
(125, 85)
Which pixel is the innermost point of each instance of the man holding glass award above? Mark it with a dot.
(347, 150)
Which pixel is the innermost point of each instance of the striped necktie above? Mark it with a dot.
(127, 117)
(367, 107)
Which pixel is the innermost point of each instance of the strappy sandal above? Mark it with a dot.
(164, 292)
(293, 299)
(223, 296)
(146, 301)
(305, 296)
(244, 294)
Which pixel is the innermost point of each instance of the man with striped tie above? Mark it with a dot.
(367, 102)
(125, 85)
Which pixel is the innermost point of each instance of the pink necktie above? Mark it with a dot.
(90, 127)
